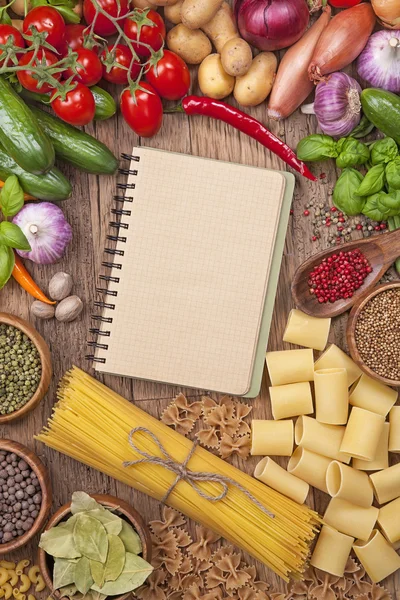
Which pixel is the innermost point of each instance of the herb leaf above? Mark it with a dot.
(130, 538)
(7, 261)
(11, 197)
(383, 151)
(111, 521)
(90, 538)
(115, 558)
(83, 576)
(373, 182)
(316, 147)
(12, 235)
(134, 574)
(352, 153)
(393, 173)
(59, 541)
(345, 197)
(372, 210)
(63, 573)
(98, 572)
(82, 502)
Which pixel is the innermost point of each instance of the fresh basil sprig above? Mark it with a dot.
(345, 196)
(351, 153)
(383, 151)
(373, 182)
(316, 147)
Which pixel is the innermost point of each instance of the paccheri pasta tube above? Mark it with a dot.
(272, 474)
(309, 467)
(377, 556)
(290, 366)
(389, 520)
(348, 518)
(354, 486)
(320, 438)
(394, 433)
(332, 551)
(362, 435)
(381, 460)
(272, 438)
(291, 400)
(372, 395)
(335, 358)
(304, 330)
(386, 484)
(331, 396)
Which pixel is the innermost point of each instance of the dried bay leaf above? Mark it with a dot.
(59, 541)
(82, 502)
(92, 595)
(111, 522)
(90, 538)
(63, 572)
(83, 576)
(97, 570)
(135, 572)
(115, 558)
(130, 538)
(68, 590)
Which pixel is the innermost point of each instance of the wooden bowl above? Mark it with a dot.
(43, 476)
(124, 510)
(351, 325)
(45, 360)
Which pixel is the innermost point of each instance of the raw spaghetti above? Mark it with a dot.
(91, 423)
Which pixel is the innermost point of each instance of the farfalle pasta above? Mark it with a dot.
(230, 445)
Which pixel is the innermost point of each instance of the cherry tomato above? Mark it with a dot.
(104, 26)
(344, 3)
(122, 56)
(7, 31)
(27, 79)
(144, 111)
(74, 37)
(151, 29)
(78, 108)
(170, 77)
(91, 70)
(46, 19)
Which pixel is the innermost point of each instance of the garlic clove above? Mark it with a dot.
(60, 286)
(41, 310)
(69, 309)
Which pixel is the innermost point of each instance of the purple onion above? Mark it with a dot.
(46, 230)
(379, 62)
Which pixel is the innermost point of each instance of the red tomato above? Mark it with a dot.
(151, 30)
(103, 26)
(46, 19)
(27, 79)
(78, 108)
(123, 56)
(144, 111)
(7, 31)
(91, 70)
(74, 37)
(170, 77)
(344, 3)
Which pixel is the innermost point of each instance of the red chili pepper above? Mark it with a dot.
(196, 105)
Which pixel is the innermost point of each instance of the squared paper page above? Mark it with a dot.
(194, 273)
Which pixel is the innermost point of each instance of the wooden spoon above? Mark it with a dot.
(381, 251)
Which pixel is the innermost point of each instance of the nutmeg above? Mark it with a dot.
(69, 309)
(60, 286)
(41, 310)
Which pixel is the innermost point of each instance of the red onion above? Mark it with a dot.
(337, 105)
(379, 62)
(271, 24)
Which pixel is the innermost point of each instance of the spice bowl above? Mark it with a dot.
(45, 361)
(123, 510)
(352, 328)
(35, 464)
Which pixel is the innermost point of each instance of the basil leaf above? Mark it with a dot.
(12, 235)
(345, 196)
(389, 204)
(63, 572)
(7, 261)
(90, 538)
(130, 538)
(393, 173)
(363, 129)
(373, 182)
(11, 197)
(372, 210)
(351, 153)
(383, 151)
(316, 147)
(59, 541)
(135, 572)
(83, 578)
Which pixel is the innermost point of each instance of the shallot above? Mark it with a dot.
(379, 62)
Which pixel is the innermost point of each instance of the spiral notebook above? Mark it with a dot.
(194, 274)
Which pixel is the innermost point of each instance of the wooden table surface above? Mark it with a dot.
(88, 211)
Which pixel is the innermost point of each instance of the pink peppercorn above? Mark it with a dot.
(306, 213)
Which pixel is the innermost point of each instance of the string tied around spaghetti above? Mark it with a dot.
(183, 473)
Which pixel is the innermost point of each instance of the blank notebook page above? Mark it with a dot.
(194, 271)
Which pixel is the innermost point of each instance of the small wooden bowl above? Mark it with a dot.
(43, 476)
(125, 511)
(45, 360)
(351, 325)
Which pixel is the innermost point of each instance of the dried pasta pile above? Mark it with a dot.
(92, 424)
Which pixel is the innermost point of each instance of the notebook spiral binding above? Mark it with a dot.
(116, 225)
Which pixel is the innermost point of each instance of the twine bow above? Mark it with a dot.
(183, 473)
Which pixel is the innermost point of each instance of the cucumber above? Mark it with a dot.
(382, 108)
(105, 104)
(52, 186)
(75, 146)
(21, 135)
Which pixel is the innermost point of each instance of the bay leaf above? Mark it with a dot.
(63, 572)
(59, 541)
(90, 538)
(95, 596)
(130, 538)
(115, 558)
(97, 570)
(68, 590)
(83, 576)
(135, 572)
(111, 522)
(82, 502)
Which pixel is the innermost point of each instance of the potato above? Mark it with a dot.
(17, 23)
(19, 7)
(173, 12)
(196, 13)
(252, 89)
(78, 8)
(213, 80)
(190, 44)
(236, 57)
(221, 28)
(143, 4)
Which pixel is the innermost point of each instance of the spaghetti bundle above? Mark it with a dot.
(92, 424)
